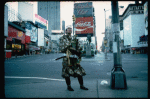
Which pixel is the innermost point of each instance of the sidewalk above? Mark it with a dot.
(58, 89)
(13, 57)
(97, 57)
(135, 89)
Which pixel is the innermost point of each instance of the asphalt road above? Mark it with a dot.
(40, 76)
(44, 66)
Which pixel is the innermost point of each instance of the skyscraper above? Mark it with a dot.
(63, 26)
(51, 12)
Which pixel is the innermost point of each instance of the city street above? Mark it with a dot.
(40, 76)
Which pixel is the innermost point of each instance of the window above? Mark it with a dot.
(139, 12)
(133, 8)
(8, 45)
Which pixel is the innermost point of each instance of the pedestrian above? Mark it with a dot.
(71, 63)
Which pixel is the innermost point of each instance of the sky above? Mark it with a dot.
(66, 10)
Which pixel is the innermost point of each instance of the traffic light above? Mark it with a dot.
(46, 43)
(73, 18)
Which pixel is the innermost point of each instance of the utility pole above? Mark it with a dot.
(118, 77)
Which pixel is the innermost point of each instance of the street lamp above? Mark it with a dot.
(105, 35)
(105, 32)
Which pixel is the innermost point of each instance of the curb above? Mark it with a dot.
(98, 88)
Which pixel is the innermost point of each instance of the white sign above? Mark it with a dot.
(40, 37)
(41, 20)
(33, 34)
(114, 47)
(115, 28)
(28, 32)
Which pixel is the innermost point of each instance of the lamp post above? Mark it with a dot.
(105, 32)
(118, 77)
(105, 43)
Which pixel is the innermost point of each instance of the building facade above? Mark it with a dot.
(133, 27)
(109, 34)
(50, 11)
(22, 36)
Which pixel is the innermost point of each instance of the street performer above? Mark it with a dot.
(71, 62)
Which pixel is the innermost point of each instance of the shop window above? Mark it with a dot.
(8, 45)
(142, 11)
(139, 12)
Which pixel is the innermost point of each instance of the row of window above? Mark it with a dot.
(135, 8)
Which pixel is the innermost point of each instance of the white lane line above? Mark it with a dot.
(33, 78)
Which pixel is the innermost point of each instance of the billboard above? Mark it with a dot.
(33, 34)
(40, 37)
(83, 26)
(15, 33)
(31, 31)
(83, 9)
(41, 22)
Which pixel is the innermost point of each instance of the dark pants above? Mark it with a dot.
(80, 79)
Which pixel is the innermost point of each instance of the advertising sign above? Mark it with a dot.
(84, 25)
(83, 12)
(40, 37)
(83, 9)
(15, 33)
(28, 29)
(41, 22)
(33, 34)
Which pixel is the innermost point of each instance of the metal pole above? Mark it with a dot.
(73, 28)
(73, 20)
(118, 77)
(105, 36)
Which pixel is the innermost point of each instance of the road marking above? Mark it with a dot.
(34, 78)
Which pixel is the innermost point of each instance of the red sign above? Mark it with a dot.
(15, 33)
(27, 39)
(84, 25)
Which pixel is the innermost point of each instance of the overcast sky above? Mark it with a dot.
(66, 9)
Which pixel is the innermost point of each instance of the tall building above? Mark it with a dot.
(133, 27)
(63, 26)
(51, 12)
